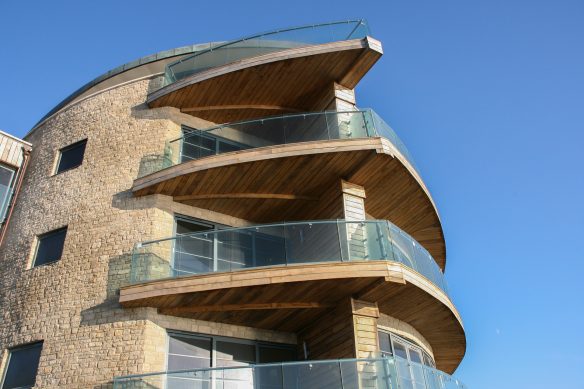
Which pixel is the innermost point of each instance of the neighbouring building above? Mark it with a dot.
(224, 215)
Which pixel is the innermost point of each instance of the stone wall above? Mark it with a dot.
(72, 304)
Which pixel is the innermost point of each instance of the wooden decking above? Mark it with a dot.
(291, 298)
(286, 81)
(298, 182)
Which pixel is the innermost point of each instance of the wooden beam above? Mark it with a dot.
(242, 307)
(243, 106)
(271, 196)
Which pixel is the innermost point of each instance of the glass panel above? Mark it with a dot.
(224, 53)
(187, 226)
(6, 175)
(415, 356)
(428, 361)
(400, 350)
(201, 379)
(403, 371)
(22, 368)
(312, 242)
(269, 377)
(347, 374)
(188, 352)
(193, 254)
(312, 375)
(270, 247)
(50, 247)
(234, 353)
(273, 354)
(418, 379)
(71, 156)
(384, 342)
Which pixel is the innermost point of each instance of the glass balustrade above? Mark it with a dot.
(223, 53)
(283, 244)
(273, 131)
(373, 373)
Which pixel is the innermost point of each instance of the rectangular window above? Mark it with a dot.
(192, 351)
(188, 352)
(71, 156)
(23, 363)
(385, 343)
(50, 246)
(6, 176)
(197, 144)
(192, 255)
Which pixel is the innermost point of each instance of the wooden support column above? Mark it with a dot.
(354, 210)
(347, 331)
(344, 98)
(353, 201)
(337, 98)
(365, 315)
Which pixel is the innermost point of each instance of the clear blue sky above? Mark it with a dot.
(488, 96)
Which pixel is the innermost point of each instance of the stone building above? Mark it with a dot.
(224, 215)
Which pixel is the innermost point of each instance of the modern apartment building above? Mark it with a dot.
(224, 215)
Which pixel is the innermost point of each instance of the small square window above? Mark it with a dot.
(71, 156)
(23, 363)
(50, 246)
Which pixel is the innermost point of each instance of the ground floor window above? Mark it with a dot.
(187, 351)
(22, 366)
(409, 359)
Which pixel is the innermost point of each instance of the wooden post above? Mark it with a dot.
(365, 315)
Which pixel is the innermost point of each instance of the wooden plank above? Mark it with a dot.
(242, 307)
(279, 196)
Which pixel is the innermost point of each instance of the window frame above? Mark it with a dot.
(10, 352)
(214, 338)
(4, 203)
(408, 344)
(67, 148)
(216, 139)
(38, 244)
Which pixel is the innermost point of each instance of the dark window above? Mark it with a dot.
(50, 246)
(71, 156)
(192, 254)
(198, 144)
(192, 351)
(6, 175)
(275, 353)
(23, 363)
(385, 343)
(188, 352)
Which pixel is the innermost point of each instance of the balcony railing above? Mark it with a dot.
(278, 130)
(283, 244)
(381, 373)
(227, 52)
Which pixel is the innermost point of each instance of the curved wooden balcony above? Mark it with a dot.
(269, 180)
(283, 81)
(282, 277)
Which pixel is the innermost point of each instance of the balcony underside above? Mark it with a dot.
(292, 80)
(290, 298)
(301, 182)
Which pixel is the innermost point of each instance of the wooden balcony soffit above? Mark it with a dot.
(286, 81)
(290, 298)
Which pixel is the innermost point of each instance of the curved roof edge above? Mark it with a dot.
(166, 54)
